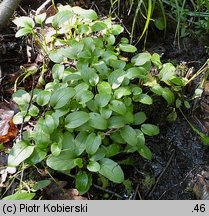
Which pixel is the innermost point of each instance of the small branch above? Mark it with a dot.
(137, 192)
(108, 191)
(161, 174)
(43, 7)
(179, 184)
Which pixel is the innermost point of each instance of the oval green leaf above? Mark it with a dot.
(83, 182)
(61, 97)
(19, 153)
(150, 129)
(76, 119)
(93, 142)
(111, 170)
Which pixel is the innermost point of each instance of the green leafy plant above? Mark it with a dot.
(85, 116)
(144, 14)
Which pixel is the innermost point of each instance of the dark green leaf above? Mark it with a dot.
(83, 182)
(157, 89)
(84, 97)
(98, 155)
(172, 116)
(102, 68)
(73, 51)
(47, 124)
(68, 142)
(160, 24)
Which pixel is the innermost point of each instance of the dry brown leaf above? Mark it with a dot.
(56, 191)
(8, 130)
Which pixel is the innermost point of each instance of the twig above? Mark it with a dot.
(161, 174)
(108, 191)
(137, 192)
(43, 7)
(179, 184)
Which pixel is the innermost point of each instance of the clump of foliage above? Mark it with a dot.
(191, 18)
(85, 116)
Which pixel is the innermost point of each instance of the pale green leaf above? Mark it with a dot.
(141, 58)
(20, 196)
(64, 161)
(93, 166)
(150, 129)
(127, 48)
(19, 152)
(118, 107)
(93, 142)
(76, 119)
(61, 97)
(167, 72)
(129, 135)
(96, 121)
(111, 170)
